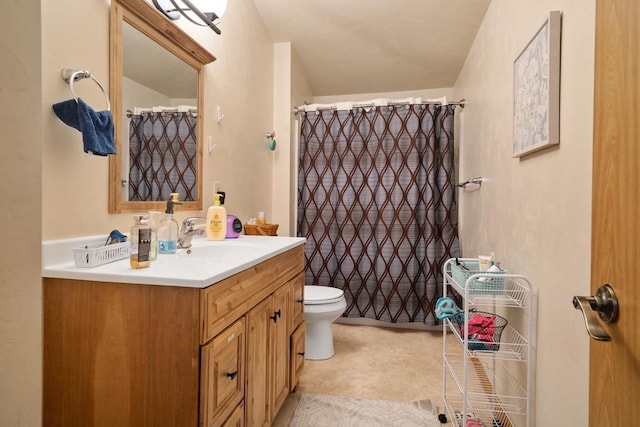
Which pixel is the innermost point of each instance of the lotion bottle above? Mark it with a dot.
(168, 229)
(216, 220)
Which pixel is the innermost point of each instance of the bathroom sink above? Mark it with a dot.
(220, 250)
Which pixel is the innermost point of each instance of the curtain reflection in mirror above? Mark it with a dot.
(163, 155)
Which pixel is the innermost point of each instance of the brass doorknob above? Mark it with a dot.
(605, 303)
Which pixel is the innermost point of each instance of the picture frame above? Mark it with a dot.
(536, 99)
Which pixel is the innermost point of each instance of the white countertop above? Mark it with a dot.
(206, 263)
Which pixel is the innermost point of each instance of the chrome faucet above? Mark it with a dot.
(187, 231)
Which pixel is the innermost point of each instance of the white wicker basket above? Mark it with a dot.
(95, 255)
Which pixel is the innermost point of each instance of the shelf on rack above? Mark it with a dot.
(515, 293)
(513, 346)
(453, 404)
(485, 391)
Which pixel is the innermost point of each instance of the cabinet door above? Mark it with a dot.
(297, 301)
(236, 419)
(257, 396)
(222, 374)
(297, 356)
(280, 354)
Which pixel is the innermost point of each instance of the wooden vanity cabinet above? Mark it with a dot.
(148, 355)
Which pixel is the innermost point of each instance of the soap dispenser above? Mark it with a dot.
(216, 220)
(168, 229)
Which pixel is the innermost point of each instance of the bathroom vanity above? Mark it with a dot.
(201, 338)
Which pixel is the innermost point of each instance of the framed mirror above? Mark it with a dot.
(156, 90)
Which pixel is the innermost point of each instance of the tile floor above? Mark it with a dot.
(374, 362)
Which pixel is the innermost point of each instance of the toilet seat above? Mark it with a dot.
(316, 295)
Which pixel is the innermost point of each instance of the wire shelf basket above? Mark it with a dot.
(483, 329)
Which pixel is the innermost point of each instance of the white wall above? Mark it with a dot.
(20, 186)
(534, 213)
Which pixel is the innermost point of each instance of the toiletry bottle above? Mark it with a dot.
(153, 252)
(484, 262)
(216, 220)
(168, 229)
(261, 220)
(140, 244)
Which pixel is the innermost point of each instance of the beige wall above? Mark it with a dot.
(424, 93)
(20, 186)
(240, 81)
(300, 92)
(280, 208)
(291, 89)
(534, 213)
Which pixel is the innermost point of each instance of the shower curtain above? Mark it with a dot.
(163, 156)
(376, 202)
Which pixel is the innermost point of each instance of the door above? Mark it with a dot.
(222, 374)
(280, 353)
(615, 366)
(257, 393)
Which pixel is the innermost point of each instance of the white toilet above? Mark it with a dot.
(322, 306)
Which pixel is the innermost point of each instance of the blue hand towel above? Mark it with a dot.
(96, 127)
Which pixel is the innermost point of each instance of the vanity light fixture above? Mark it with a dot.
(206, 13)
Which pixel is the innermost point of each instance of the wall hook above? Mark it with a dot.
(220, 114)
(271, 139)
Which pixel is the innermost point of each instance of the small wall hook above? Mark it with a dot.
(271, 139)
(220, 114)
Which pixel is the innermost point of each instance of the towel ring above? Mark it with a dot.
(70, 75)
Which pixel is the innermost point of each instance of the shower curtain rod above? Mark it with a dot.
(461, 103)
(193, 111)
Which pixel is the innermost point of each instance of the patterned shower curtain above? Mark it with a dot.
(163, 151)
(376, 202)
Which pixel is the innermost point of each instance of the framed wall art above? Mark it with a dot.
(536, 104)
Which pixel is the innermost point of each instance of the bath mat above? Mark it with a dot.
(319, 410)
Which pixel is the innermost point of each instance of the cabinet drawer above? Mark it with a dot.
(297, 355)
(231, 298)
(223, 374)
(297, 292)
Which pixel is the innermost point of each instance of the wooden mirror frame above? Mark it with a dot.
(143, 17)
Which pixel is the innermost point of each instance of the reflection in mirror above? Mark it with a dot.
(160, 103)
(156, 89)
